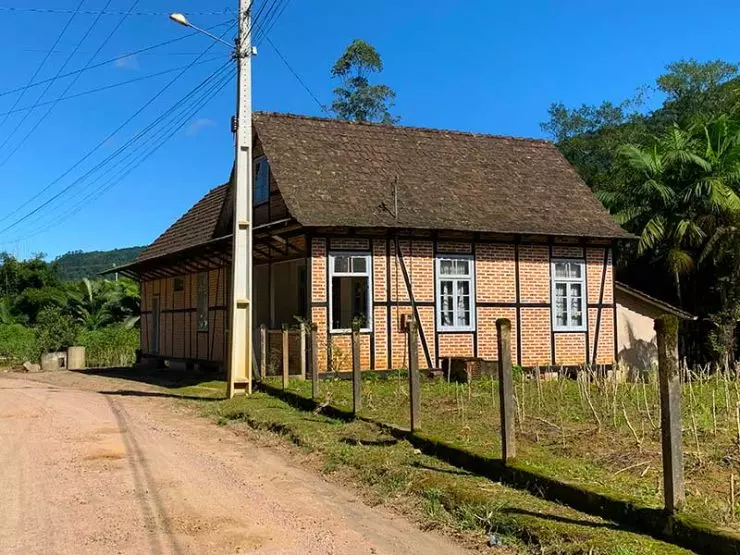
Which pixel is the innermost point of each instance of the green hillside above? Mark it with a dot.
(76, 265)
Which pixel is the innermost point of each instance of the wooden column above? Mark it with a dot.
(314, 362)
(506, 390)
(356, 376)
(303, 350)
(414, 399)
(666, 328)
(286, 357)
(263, 351)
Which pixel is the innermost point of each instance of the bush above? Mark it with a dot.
(55, 331)
(109, 347)
(17, 344)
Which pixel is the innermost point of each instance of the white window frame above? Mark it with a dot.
(257, 162)
(438, 293)
(368, 273)
(567, 280)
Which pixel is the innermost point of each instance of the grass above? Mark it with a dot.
(601, 435)
(437, 495)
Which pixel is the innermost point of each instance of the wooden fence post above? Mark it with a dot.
(263, 351)
(414, 400)
(506, 390)
(314, 362)
(286, 357)
(666, 328)
(303, 350)
(356, 377)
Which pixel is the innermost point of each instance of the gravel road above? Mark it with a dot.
(88, 465)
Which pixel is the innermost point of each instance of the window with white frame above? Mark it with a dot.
(261, 180)
(350, 291)
(569, 295)
(456, 293)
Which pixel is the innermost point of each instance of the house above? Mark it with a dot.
(637, 347)
(369, 222)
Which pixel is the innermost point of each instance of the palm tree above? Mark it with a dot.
(676, 192)
(90, 303)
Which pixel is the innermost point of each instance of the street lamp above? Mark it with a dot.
(240, 357)
(180, 19)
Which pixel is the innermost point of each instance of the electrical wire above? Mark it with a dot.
(112, 60)
(69, 85)
(43, 61)
(105, 187)
(296, 75)
(225, 11)
(97, 147)
(114, 85)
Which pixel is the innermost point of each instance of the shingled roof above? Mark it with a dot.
(336, 173)
(195, 227)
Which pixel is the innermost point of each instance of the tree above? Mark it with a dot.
(90, 303)
(357, 99)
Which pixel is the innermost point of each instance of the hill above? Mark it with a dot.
(76, 265)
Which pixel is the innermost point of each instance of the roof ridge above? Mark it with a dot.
(288, 115)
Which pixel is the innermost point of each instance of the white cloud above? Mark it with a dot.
(128, 62)
(198, 125)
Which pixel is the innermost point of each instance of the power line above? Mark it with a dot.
(98, 146)
(69, 85)
(225, 11)
(110, 61)
(41, 65)
(270, 23)
(102, 189)
(113, 85)
(295, 74)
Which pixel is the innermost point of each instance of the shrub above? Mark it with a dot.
(17, 344)
(55, 331)
(111, 346)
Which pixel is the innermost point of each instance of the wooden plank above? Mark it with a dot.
(414, 400)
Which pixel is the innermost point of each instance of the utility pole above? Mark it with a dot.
(240, 313)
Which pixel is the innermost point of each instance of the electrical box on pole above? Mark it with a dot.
(240, 310)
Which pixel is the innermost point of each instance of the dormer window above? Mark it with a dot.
(261, 180)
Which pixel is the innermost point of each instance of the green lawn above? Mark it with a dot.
(434, 493)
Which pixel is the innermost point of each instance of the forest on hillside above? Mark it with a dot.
(671, 176)
(76, 265)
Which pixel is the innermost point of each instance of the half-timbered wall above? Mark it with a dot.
(511, 281)
(179, 337)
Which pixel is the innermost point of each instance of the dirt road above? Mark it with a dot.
(128, 472)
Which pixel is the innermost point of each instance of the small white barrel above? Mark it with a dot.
(76, 358)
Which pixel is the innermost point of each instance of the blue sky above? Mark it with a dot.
(483, 66)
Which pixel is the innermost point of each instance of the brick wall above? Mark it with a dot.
(496, 297)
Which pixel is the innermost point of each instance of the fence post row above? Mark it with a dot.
(414, 399)
(506, 389)
(356, 377)
(286, 357)
(666, 328)
(314, 362)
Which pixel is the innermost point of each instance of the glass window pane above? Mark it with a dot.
(561, 270)
(575, 289)
(463, 318)
(561, 316)
(349, 301)
(341, 264)
(574, 270)
(359, 264)
(446, 267)
(463, 267)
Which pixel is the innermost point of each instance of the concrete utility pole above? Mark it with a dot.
(240, 340)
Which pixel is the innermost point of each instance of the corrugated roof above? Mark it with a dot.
(336, 173)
